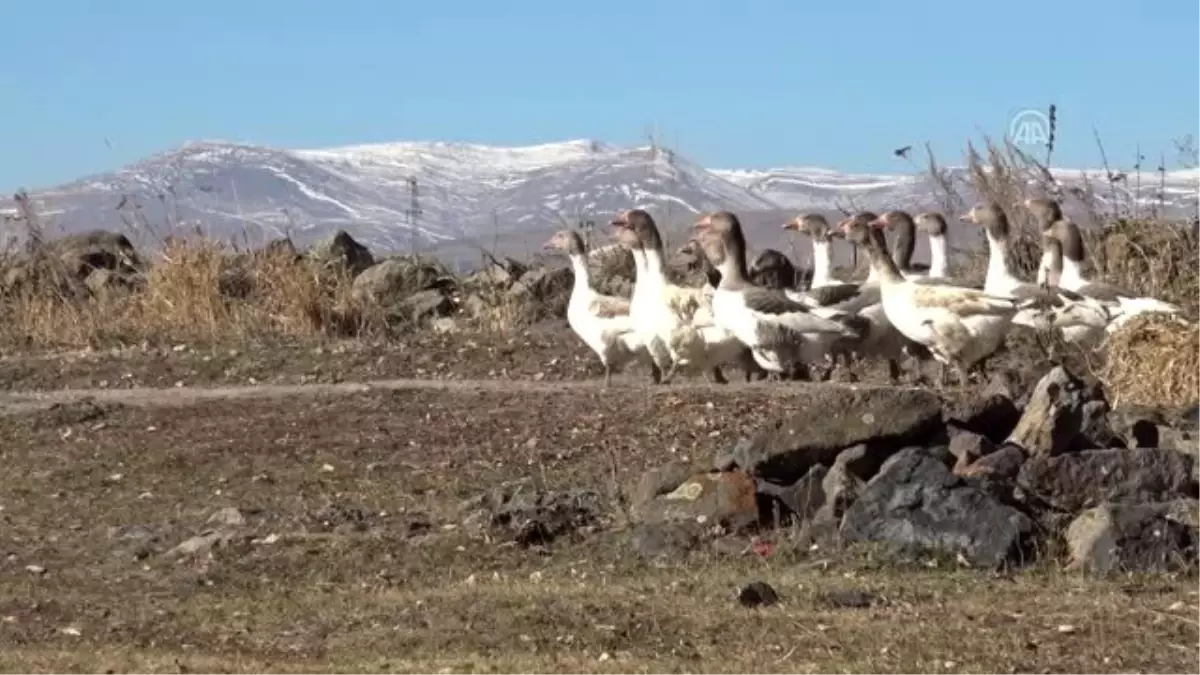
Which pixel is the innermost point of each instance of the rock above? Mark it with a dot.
(658, 481)
(543, 282)
(1185, 511)
(1145, 428)
(1082, 480)
(539, 517)
(968, 446)
(992, 416)
(916, 503)
(227, 517)
(725, 498)
(1001, 465)
(1055, 417)
(199, 545)
(101, 281)
(503, 272)
(341, 251)
(97, 249)
(653, 540)
(842, 485)
(424, 305)
(802, 499)
(391, 280)
(757, 594)
(835, 417)
(1130, 537)
(849, 599)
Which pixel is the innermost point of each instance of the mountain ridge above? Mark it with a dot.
(470, 194)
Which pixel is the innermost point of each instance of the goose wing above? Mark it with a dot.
(607, 306)
(831, 294)
(1103, 292)
(962, 302)
(777, 307)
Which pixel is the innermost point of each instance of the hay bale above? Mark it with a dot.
(1153, 360)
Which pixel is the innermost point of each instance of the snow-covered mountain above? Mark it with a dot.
(509, 197)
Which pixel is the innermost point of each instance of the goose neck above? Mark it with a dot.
(999, 270)
(1072, 274)
(579, 266)
(822, 263)
(938, 264)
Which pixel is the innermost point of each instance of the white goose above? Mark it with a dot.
(1078, 317)
(675, 322)
(960, 326)
(603, 322)
(781, 333)
(1122, 303)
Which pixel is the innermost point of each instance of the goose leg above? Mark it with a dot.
(717, 376)
(607, 375)
(893, 370)
(670, 374)
(655, 373)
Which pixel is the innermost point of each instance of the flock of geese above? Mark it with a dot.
(902, 313)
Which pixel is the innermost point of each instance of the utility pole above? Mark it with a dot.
(413, 215)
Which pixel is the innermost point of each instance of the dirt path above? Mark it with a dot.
(29, 401)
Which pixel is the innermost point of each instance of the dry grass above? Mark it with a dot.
(199, 291)
(1154, 360)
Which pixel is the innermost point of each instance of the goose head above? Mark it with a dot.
(565, 241)
(1067, 234)
(638, 224)
(811, 224)
(1045, 211)
(869, 233)
(932, 223)
(856, 228)
(989, 216)
(899, 221)
(720, 237)
(625, 235)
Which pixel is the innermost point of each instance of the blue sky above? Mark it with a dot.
(730, 84)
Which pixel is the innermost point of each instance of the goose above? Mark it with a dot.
(603, 322)
(960, 326)
(712, 278)
(902, 224)
(933, 224)
(1046, 212)
(1125, 304)
(773, 269)
(1079, 319)
(824, 290)
(781, 333)
(880, 339)
(674, 321)
(1058, 308)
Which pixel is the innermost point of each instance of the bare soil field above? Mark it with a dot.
(330, 528)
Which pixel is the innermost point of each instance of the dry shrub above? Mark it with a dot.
(200, 291)
(1153, 360)
(1151, 258)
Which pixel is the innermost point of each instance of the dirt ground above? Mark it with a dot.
(354, 555)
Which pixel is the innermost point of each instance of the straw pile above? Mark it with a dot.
(1154, 360)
